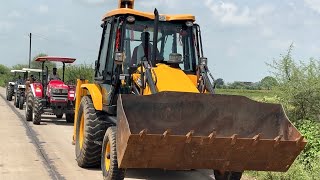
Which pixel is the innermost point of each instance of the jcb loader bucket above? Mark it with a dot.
(202, 131)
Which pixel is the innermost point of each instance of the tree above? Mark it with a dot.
(4, 75)
(38, 65)
(19, 66)
(268, 82)
(219, 82)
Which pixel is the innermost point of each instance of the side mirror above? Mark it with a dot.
(96, 64)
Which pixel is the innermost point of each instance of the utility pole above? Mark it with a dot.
(30, 35)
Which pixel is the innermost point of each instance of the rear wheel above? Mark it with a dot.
(90, 130)
(227, 175)
(16, 100)
(37, 111)
(29, 106)
(70, 118)
(21, 101)
(10, 93)
(109, 160)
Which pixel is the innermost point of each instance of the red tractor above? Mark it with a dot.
(51, 96)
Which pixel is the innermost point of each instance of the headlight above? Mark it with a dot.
(55, 91)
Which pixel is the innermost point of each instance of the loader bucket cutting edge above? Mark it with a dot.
(172, 130)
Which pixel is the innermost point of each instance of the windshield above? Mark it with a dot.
(172, 38)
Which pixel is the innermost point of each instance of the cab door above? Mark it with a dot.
(105, 71)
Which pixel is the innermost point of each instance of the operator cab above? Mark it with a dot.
(178, 43)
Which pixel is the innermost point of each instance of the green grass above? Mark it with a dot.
(257, 95)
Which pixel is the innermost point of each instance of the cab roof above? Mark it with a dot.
(31, 70)
(55, 59)
(166, 17)
(19, 71)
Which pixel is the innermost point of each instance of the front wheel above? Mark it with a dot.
(10, 93)
(29, 106)
(16, 100)
(59, 116)
(21, 102)
(227, 175)
(37, 111)
(70, 118)
(109, 160)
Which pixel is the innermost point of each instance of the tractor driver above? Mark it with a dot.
(139, 51)
(54, 75)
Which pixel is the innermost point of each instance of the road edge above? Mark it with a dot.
(51, 169)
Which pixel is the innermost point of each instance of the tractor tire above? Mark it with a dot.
(59, 116)
(70, 118)
(37, 111)
(21, 102)
(90, 130)
(16, 100)
(10, 93)
(109, 160)
(29, 106)
(227, 175)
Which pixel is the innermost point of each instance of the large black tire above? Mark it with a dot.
(94, 126)
(59, 116)
(70, 118)
(21, 101)
(29, 106)
(10, 92)
(111, 171)
(227, 175)
(37, 111)
(16, 99)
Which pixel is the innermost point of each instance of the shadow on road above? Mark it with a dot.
(53, 120)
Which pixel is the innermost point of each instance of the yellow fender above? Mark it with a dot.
(96, 95)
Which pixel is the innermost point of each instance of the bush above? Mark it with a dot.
(74, 72)
(4, 75)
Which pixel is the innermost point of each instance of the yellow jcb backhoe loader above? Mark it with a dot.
(153, 105)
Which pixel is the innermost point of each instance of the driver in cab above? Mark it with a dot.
(140, 51)
(54, 75)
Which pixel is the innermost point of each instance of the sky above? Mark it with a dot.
(239, 36)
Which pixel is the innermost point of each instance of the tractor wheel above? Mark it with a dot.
(59, 116)
(90, 130)
(37, 111)
(29, 106)
(16, 100)
(109, 160)
(227, 175)
(70, 118)
(7, 92)
(21, 102)
(10, 93)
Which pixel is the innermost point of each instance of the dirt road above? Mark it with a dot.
(45, 151)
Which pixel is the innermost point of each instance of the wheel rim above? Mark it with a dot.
(81, 131)
(107, 157)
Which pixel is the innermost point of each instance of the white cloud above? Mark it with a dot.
(5, 26)
(94, 2)
(155, 4)
(229, 13)
(43, 9)
(14, 14)
(281, 44)
(313, 4)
